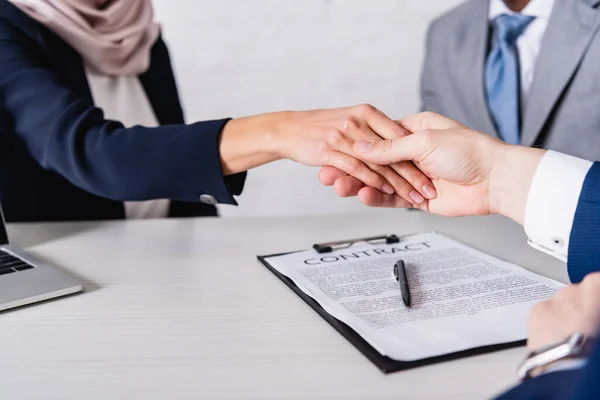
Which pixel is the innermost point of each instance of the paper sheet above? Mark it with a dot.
(461, 298)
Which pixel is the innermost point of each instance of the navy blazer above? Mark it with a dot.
(584, 257)
(60, 159)
(578, 384)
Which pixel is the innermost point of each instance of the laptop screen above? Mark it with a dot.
(3, 234)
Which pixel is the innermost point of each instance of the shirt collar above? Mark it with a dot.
(541, 9)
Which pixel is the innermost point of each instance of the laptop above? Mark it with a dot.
(25, 279)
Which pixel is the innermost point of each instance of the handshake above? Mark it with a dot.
(429, 162)
(424, 161)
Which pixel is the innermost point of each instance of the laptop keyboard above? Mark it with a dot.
(10, 264)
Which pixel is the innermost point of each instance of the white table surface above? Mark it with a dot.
(181, 309)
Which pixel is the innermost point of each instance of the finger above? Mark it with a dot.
(397, 177)
(359, 170)
(342, 142)
(348, 186)
(414, 177)
(329, 175)
(428, 120)
(402, 187)
(385, 152)
(380, 123)
(374, 198)
(414, 123)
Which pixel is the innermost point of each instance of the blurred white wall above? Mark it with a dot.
(241, 57)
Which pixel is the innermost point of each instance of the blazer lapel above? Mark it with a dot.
(571, 28)
(470, 54)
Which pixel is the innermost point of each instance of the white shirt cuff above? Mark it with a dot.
(552, 202)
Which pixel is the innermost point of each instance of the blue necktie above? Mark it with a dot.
(502, 75)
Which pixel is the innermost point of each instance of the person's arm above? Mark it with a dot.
(68, 135)
(574, 309)
(318, 138)
(559, 385)
(584, 243)
(589, 386)
(71, 137)
(561, 214)
(552, 201)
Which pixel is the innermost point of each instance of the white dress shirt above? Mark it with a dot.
(123, 99)
(530, 41)
(552, 202)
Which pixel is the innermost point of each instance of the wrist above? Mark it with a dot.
(571, 352)
(249, 142)
(510, 179)
(276, 129)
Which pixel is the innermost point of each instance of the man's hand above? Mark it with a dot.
(573, 309)
(473, 173)
(347, 186)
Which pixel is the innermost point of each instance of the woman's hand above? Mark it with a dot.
(320, 138)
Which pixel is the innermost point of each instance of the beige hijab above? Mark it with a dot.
(114, 37)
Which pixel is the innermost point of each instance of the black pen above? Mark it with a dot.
(400, 274)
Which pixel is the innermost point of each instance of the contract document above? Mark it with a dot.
(462, 298)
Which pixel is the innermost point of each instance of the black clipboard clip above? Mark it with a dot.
(343, 244)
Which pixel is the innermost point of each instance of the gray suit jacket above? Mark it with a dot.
(563, 108)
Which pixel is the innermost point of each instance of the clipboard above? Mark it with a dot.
(385, 364)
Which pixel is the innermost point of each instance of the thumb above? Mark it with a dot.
(385, 152)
